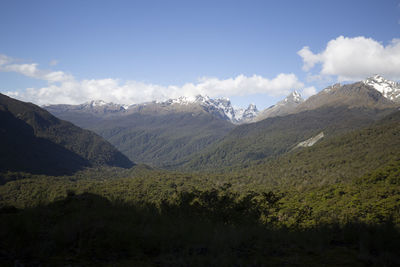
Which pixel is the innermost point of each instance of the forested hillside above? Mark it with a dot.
(335, 159)
(275, 136)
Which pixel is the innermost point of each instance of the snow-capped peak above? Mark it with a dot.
(294, 97)
(186, 100)
(389, 89)
(251, 111)
(220, 107)
(102, 106)
(283, 107)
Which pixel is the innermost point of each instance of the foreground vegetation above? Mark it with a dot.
(90, 230)
(157, 218)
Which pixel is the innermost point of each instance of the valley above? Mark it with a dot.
(199, 133)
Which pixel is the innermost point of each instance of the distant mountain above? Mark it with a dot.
(246, 115)
(95, 107)
(389, 89)
(33, 140)
(156, 133)
(219, 107)
(284, 107)
(89, 113)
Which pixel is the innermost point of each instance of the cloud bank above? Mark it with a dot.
(352, 59)
(64, 88)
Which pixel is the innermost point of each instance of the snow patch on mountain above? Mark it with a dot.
(221, 107)
(294, 97)
(246, 115)
(389, 89)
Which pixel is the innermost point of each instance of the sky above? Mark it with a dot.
(128, 52)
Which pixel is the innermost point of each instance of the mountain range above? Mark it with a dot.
(223, 109)
(190, 131)
(220, 108)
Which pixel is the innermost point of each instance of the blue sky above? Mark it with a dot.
(134, 51)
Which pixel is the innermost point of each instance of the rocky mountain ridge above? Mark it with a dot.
(35, 141)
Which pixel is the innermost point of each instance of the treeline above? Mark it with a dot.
(373, 198)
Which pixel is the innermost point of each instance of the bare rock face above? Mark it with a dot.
(311, 141)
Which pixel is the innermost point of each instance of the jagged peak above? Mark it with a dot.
(296, 93)
(252, 106)
(198, 99)
(294, 96)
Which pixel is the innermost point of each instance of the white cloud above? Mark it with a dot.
(113, 90)
(31, 70)
(4, 59)
(309, 91)
(64, 88)
(351, 59)
(309, 59)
